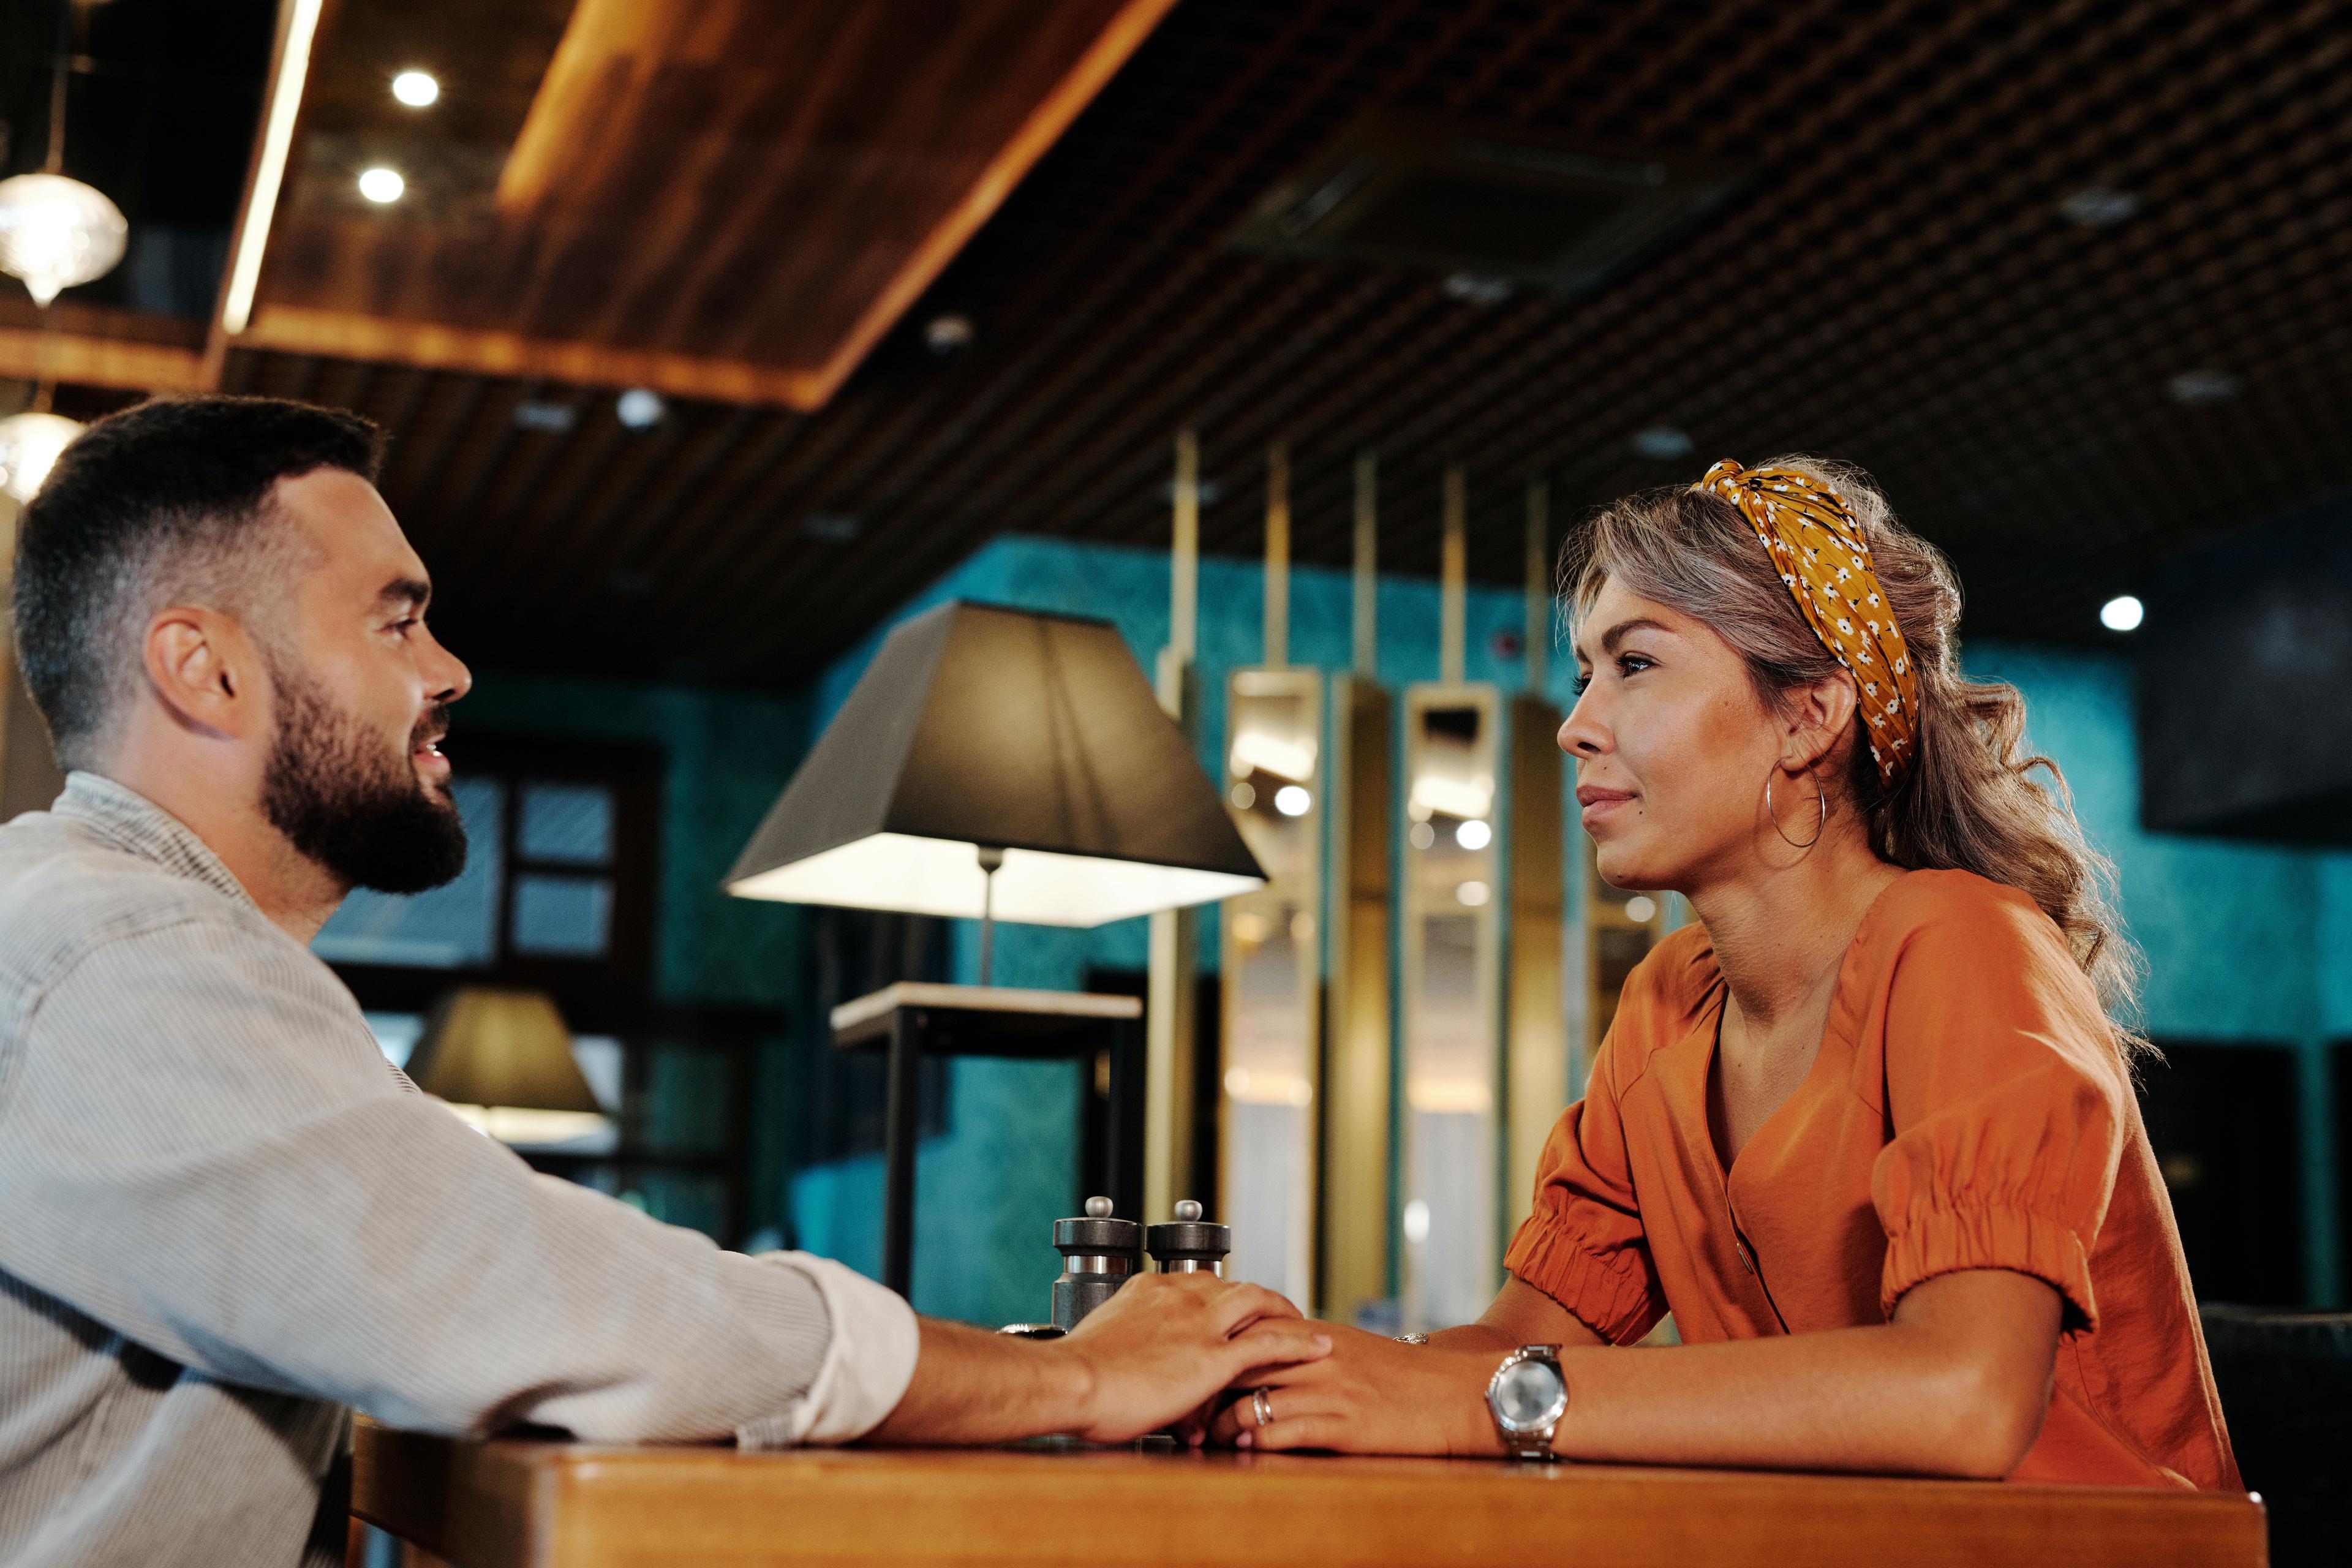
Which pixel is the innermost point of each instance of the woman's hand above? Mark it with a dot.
(1371, 1395)
(1166, 1343)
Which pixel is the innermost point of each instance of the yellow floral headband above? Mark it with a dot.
(1814, 541)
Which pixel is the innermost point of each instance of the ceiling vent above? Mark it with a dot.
(1408, 191)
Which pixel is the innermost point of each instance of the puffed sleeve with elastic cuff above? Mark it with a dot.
(1584, 1245)
(2006, 1099)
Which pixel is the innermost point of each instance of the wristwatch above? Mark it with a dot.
(1526, 1396)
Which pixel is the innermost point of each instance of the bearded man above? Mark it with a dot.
(225, 1220)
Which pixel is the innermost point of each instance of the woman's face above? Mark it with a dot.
(1671, 745)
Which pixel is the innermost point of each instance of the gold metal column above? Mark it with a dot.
(1453, 578)
(1168, 1018)
(1356, 1052)
(1536, 1028)
(1270, 945)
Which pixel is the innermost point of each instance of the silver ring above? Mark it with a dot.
(1262, 1407)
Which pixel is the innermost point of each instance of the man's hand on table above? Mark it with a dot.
(1155, 1354)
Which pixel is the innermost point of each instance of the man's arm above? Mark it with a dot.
(201, 1148)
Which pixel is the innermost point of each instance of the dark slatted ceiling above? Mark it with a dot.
(1896, 285)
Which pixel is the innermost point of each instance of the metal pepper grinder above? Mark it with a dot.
(1098, 1254)
(1189, 1244)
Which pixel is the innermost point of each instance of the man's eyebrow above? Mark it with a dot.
(400, 590)
(1617, 634)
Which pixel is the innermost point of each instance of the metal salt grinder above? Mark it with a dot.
(1098, 1254)
(1191, 1245)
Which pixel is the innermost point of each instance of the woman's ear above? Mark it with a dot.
(1819, 716)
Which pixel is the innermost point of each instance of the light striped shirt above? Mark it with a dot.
(226, 1221)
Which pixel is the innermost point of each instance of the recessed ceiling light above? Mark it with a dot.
(1473, 834)
(415, 88)
(531, 414)
(948, 334)
(640, 408)
(2122, 614)
(381, 185)
(2099, 207)
(1477, 288)
(2200, 387)
(1292, 800)
(1662, 443)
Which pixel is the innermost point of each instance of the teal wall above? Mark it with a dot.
(2245, 944)
(725, 756)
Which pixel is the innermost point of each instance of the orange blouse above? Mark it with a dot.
(1966, 1112)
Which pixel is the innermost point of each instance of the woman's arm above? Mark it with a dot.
(1955, 1385)
(1520, 1315)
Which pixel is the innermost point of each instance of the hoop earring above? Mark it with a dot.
(1771, 811)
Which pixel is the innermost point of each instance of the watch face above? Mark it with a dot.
(1529, 1395)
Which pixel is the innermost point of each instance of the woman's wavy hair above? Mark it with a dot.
(1970, 800)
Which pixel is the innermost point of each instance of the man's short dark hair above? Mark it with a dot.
(164, 503)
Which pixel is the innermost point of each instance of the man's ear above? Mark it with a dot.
(1819, 717)
(207, 672)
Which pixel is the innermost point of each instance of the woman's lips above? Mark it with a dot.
(1598, 803)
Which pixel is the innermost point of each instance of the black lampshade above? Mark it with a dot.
(977, 725)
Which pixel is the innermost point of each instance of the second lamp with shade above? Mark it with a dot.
(503, 1059)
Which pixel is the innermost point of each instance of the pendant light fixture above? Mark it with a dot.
(56, 232)
(29, 444)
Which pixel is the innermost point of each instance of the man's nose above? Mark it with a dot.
(448, 674)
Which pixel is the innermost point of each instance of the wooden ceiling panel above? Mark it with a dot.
(732, 200)
(1900, 286)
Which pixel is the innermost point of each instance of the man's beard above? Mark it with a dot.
(367, 819)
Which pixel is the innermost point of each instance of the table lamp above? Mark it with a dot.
(503, 1061)
(997, 763)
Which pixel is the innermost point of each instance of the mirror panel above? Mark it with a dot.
(1451, 1012)
(1272, 969)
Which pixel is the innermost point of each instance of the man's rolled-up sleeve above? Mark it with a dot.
(201, 1147)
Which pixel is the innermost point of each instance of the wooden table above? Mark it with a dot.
(563, 1505)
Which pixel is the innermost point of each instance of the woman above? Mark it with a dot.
(1865, 1127)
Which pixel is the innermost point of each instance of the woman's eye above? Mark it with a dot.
(1629, 663)
(1582, 681)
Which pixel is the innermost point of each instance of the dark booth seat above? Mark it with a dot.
(2286, 1380)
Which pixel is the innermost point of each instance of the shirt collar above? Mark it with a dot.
(130, 821)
